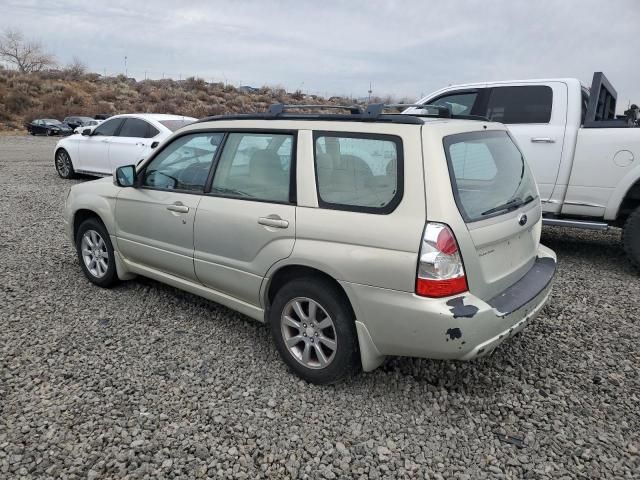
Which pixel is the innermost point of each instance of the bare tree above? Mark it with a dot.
(76, 69)
(28, 56)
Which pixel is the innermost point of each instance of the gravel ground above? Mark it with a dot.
(145, 381)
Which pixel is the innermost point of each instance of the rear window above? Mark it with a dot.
(525, 104)
(174, 125)
(358, 172)
(488, 174)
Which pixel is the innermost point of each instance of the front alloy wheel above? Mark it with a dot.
(64, 166)
(95, 253)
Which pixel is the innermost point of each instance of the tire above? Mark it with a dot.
(95, 253)
(64, 165)
(335, 344)
(631, 237)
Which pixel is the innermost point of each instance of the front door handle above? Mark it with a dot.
(273, 221)
(542, 140)
(178, 207)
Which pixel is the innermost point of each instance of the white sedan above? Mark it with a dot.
(120, 140)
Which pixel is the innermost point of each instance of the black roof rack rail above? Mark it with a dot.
(279, 108)
(373, 112)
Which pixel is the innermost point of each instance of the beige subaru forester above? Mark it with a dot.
(354, 235)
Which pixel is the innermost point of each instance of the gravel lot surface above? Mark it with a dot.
(145, 381)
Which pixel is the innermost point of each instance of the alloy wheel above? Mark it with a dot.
(309, 332)
(63, 163)
(94, 253)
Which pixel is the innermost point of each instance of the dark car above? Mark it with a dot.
(75, 122)
(48, 126)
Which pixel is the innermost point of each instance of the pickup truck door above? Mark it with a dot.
(536, 116)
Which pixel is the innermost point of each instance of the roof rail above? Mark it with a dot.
(279, 108)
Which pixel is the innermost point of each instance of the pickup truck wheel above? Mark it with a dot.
(631, 237)
(64, 166)
(95, 253)
(313, 328)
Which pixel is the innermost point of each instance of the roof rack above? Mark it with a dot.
(374, 112)
(279, 108)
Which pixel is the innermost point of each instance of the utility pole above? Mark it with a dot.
(370, 92)
(125, 66)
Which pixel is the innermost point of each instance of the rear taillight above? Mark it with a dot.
(440, 269)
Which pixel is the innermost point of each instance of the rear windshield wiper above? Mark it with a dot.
(510, 205)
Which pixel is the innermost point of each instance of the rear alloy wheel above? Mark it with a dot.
(314, 330)
(95, 253)
(64, 166)
(631, 237)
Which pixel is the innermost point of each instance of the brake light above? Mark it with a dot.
(440, 269)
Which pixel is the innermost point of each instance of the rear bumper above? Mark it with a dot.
(461, 327)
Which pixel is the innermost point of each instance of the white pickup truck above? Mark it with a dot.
(585, 158)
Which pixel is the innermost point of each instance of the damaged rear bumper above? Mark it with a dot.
(462, 327)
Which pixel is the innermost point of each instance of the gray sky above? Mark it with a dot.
(404, 48)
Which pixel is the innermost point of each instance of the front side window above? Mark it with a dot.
(525, 104)
(108, 128)
(255, 166)
(358, 172)
(488, 174)
(136, 128)
(184, 164)
(459, 103)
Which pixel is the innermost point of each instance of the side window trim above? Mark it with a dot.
(292, 171)
(395, 201)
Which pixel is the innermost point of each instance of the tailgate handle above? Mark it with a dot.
(273, 221)
(542, 140)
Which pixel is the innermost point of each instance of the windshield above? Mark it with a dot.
(488, 174)
(50, 121)
(174, 125)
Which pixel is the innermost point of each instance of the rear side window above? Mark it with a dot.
(358, 172)
(525, 104)
(134, 127)
(488, 174)
(256, 166)
(174, 125)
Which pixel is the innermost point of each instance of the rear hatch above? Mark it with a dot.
(497, 197)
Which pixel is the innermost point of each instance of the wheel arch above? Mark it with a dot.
(630, 202)
(370, 356)
(286, 273)
(83, 214)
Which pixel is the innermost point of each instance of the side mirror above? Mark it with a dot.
(125, 176)
(155, 144)
(86, 132)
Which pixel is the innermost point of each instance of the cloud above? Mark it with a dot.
(404, 48)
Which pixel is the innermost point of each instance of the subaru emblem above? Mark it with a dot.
(522, 220)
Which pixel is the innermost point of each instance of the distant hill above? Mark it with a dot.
(57, 94)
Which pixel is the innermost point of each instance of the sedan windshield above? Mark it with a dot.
(51, 121)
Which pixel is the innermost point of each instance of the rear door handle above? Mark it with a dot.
(176, 207)
(542, 140)
(273, 221)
